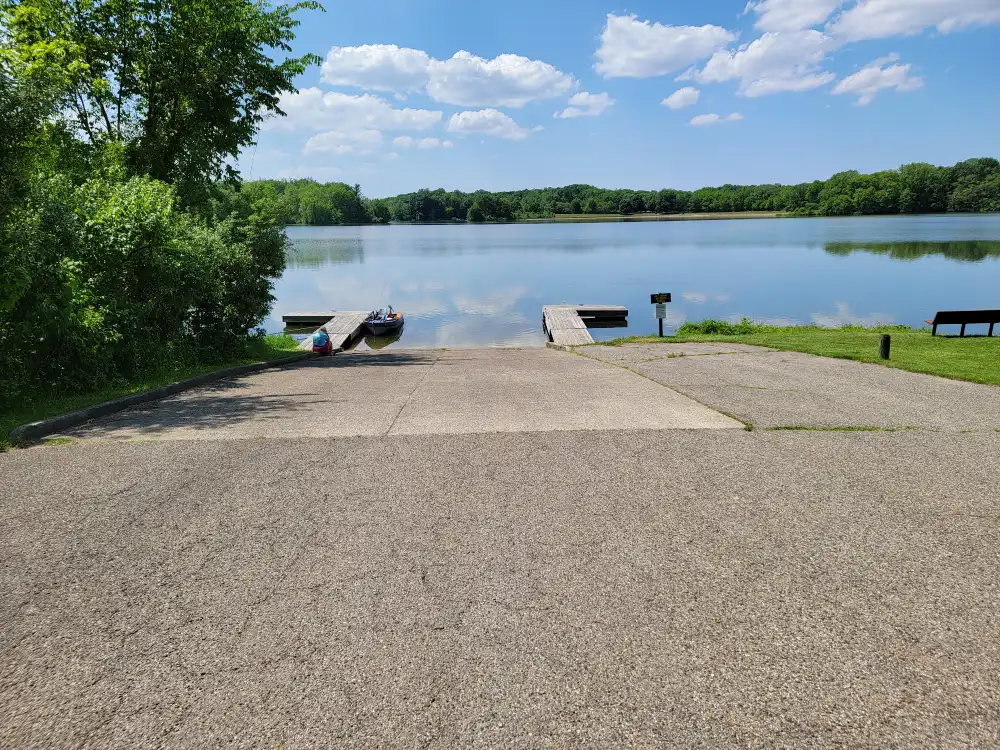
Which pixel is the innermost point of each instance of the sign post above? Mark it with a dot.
(660, 300)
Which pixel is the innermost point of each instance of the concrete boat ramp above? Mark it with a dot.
(513, 549)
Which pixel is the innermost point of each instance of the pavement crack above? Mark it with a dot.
(409, 396)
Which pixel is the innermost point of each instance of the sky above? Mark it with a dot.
(659, 93)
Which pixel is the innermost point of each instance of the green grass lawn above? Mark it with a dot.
(976, 359)
(264, 349)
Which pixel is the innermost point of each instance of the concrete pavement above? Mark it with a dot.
(414, 393)
(783, 389)
(712, 588)
(192, 577)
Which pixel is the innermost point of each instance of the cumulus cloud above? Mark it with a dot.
(792, 15)
(378, 67)
(504, 81)
(487, 122)
(878, 76)
(312, 109)
(343, 143)
(682, 98)
(465, 79)
(631, 48)
(405, 141)
(586, 104)
(713, 119)
(776, 62)
(878, 19)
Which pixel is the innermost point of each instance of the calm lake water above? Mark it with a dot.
(462, 286)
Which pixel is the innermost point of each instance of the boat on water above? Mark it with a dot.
(384, 322)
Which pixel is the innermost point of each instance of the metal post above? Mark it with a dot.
(884, 343)
(661, 327)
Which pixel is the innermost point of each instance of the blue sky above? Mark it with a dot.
(464, 95)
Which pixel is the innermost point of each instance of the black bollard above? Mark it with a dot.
(884, 343)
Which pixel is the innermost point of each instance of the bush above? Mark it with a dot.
(720, 328)
(109, 280)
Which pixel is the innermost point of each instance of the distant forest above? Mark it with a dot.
(971, 186)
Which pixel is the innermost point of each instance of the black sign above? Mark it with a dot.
(659, 299)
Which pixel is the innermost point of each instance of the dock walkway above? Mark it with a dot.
(343, 328)
(566, 326)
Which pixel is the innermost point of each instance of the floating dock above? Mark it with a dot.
(566, 325)
(343, 327)
(306, 319)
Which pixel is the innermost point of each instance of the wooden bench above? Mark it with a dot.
(965, 318)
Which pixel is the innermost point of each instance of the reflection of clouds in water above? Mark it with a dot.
(675, 318)
(845, 316)
(346, 293)
(492, 304)
(516, 330)
(700, 298)
(427, 286)
(427, 307)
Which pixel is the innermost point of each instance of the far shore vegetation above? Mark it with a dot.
(972, 186)
(973, 358)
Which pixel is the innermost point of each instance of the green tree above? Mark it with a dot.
(475, 213)
(183, 85)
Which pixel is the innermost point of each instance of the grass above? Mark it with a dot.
(976, 359)
(264, 349)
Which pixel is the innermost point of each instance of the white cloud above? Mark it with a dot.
(405, 141)
(342, 143)
(487, 122)
(586, 104)
(714, 119)
(640, 49)
(504, 81)
(792, 15)
(379, 67)
(874, 77)
(464, 79)
(682, 98)
(776, 62)
(878, 19)
(312, 109)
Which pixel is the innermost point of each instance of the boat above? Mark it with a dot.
(384, 322)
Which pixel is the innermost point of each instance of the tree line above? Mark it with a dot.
(126, 246)
(971, 186)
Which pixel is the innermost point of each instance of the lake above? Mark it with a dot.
(464, 286)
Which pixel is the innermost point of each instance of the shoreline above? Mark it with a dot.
(616, 218)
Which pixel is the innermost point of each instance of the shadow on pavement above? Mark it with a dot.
(373, 359)
(211, 409)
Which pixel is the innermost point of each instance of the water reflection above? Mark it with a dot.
(972, 251)
(381, 342)
(318, 252)
(485, 285)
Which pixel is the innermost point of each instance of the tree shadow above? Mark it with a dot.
(228, 403)
(382, 358)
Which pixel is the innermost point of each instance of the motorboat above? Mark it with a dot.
(384, 322)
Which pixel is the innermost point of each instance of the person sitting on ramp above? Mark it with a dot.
(322, 344)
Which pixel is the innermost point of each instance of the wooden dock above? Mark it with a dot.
(566, 325)
(306, 319)
(343, 327)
